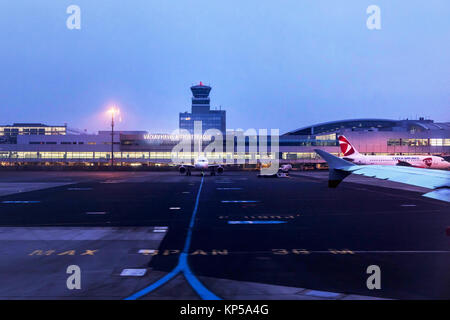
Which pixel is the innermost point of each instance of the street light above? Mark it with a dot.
(113, 112)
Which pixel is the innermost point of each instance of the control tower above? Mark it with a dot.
(201, 111)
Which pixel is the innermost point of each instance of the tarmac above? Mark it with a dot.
(231, 236)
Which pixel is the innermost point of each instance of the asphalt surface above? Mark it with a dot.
(289, 232)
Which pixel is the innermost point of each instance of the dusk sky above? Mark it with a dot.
(272, 64)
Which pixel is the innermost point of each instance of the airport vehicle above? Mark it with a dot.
(436, 180)
(285, 168)
(202, 164)
(352, 155)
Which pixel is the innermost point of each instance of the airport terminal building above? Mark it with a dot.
(25, 144)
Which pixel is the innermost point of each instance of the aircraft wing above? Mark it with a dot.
(437, 180)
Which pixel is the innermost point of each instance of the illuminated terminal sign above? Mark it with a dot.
(172, 137)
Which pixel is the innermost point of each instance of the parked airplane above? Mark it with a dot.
(436, 180)
(202, 164)
(352, 155)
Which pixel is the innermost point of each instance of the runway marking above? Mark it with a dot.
(183, 265)
(41, 252)
(147, 252)
(256, 217)
(273, 252)
(160, 229)
(67, 253)
(185, 192)
(352, 252)
(344, 251)
(21, 201)
(239, 201)
(85, 252)
(113, 181)
(402, 251)
(408, 205)
(286, 251)
(257, 222)
(133, 272)
(89, 252)
(79, 189)
(228, 188)
(169, 252)
(174, 208)
(96, 212)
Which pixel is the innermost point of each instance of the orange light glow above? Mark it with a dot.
(114, 111)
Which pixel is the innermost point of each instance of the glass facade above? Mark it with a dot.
(143, 156)
(31, 129)
(214, 119)
(419, 142)
(9, 133)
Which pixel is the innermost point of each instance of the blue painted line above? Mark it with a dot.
(204, 293)
(20, 201)
(257, 222)
(155, 285)
(182, 266)
(187, 244)
(322, 294)
(201, 290)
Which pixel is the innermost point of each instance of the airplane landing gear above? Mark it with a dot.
(188, 172)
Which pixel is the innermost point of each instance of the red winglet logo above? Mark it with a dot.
(346, 148)
(428, 162)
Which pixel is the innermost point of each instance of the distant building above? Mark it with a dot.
(201, 111)
(369, 136)
(9, 133)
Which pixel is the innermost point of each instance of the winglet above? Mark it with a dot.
(439, 194)
(338, 170)
(333, 161)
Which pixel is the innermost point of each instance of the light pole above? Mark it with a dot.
(113, 111)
